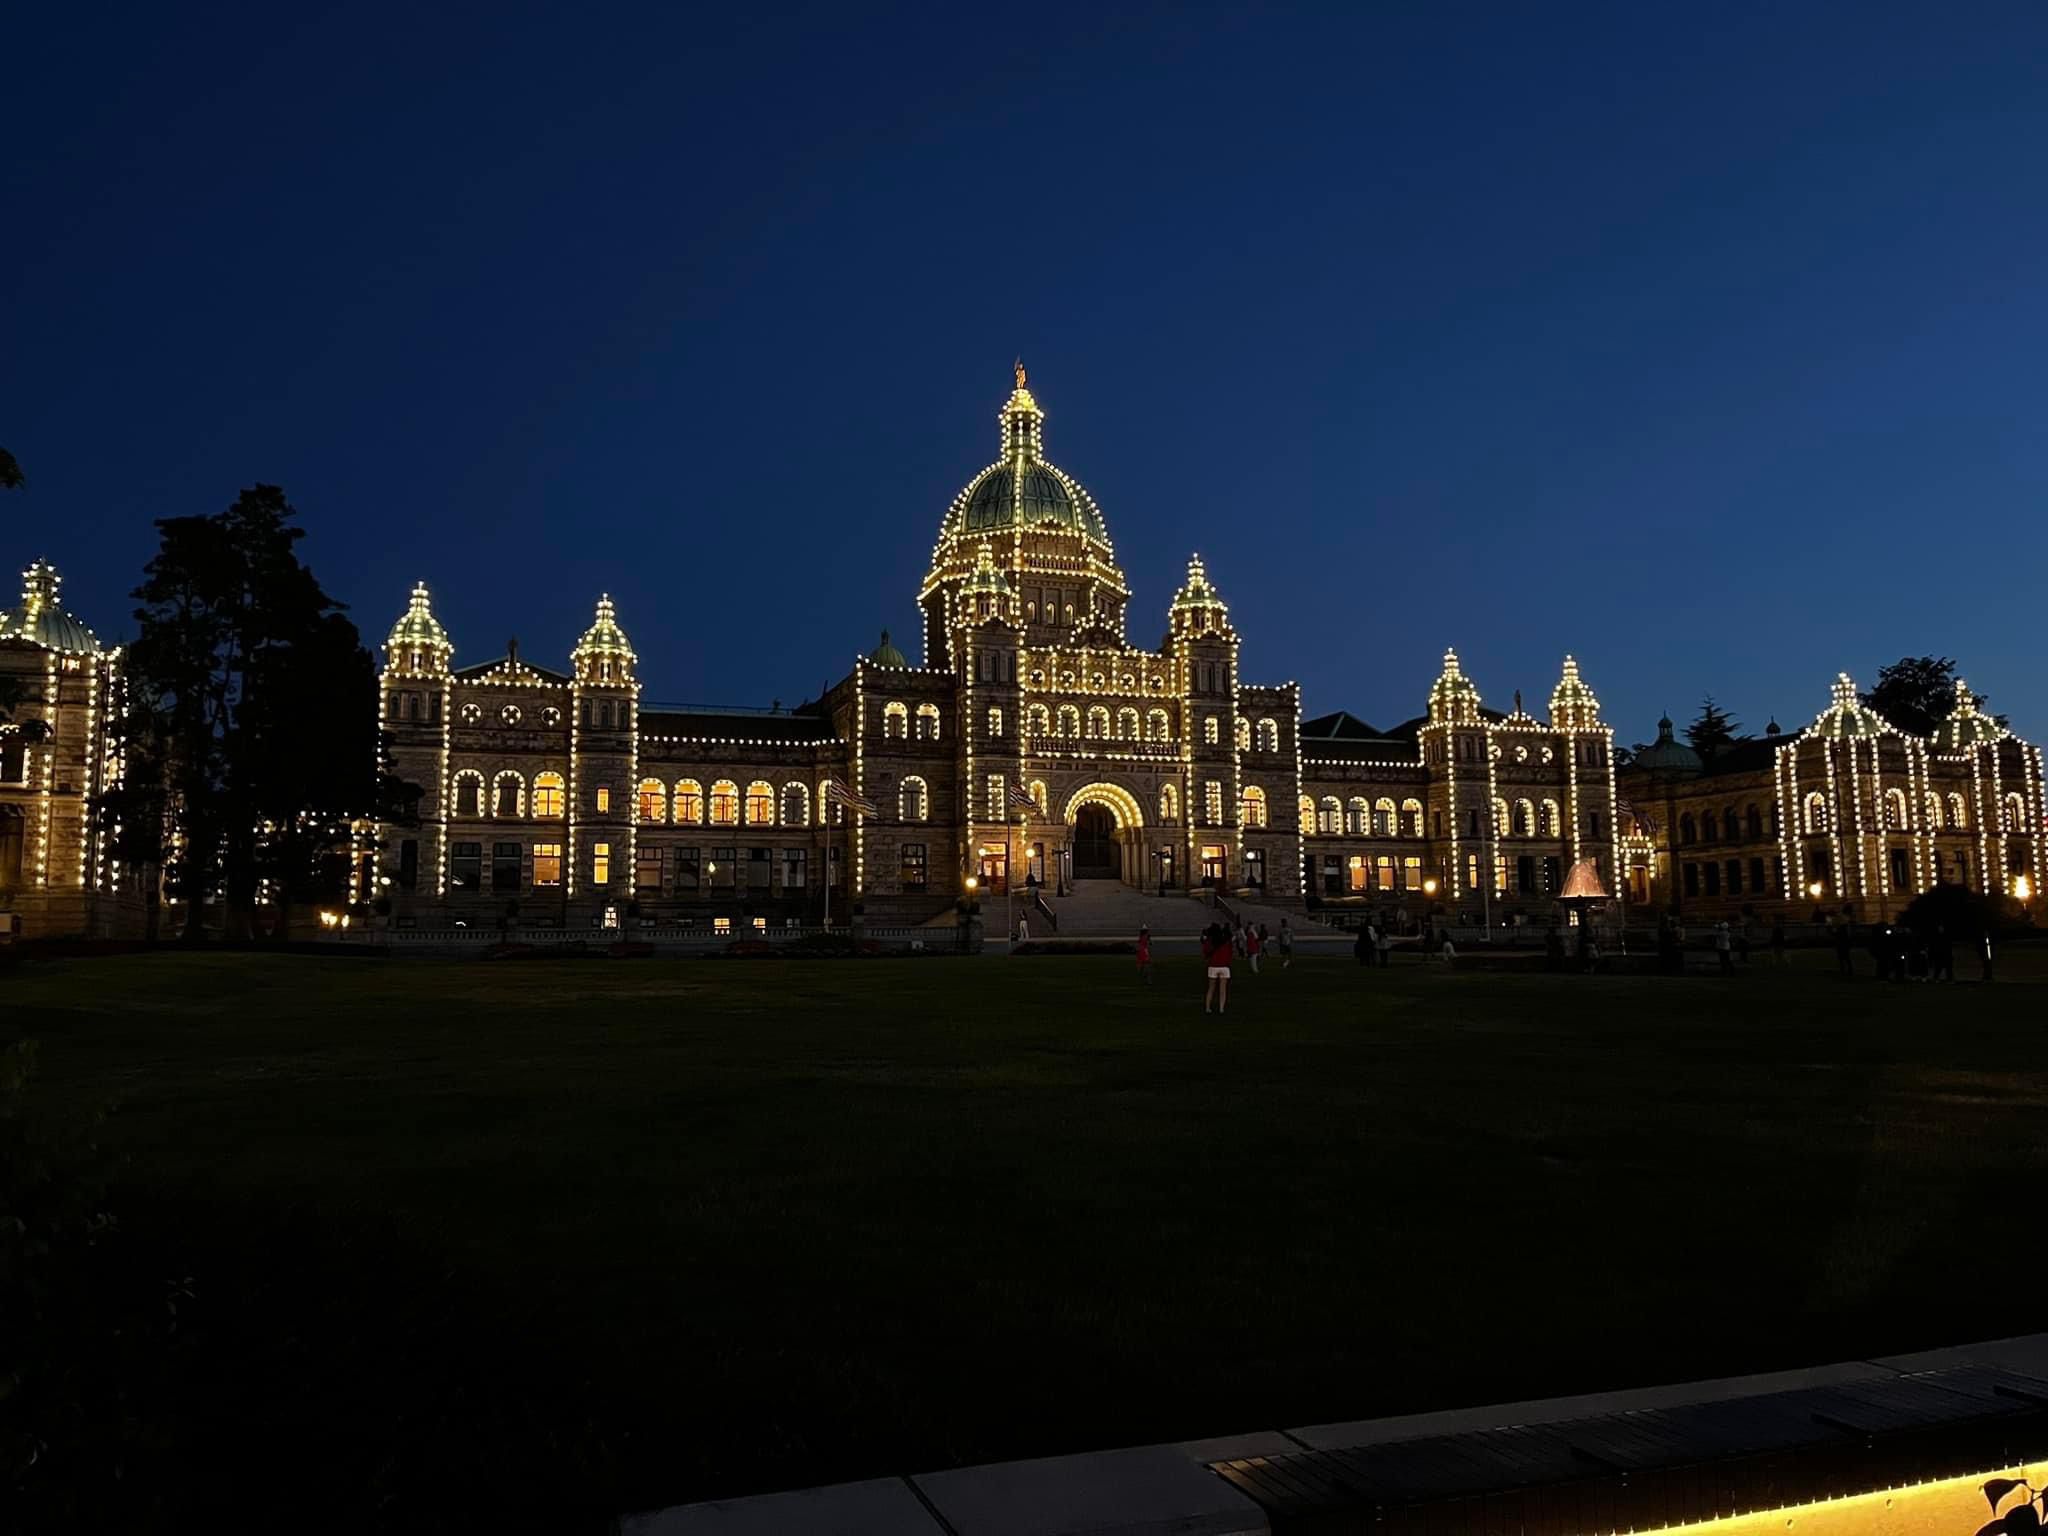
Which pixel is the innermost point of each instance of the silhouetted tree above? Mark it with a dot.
(1961, 912)
(11, 478)
(1712, 729)
(265, 701)
(1916, 693)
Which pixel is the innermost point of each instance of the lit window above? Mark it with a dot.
(995, 722)
(1269, 736)
(1307, 811)
(1252, 808)
(996, 805)
(647, 869)
(725, 803)
(1816, 812)
(1212, 802)
(1038, 798)
(547, 863)
(1331, 819)
(1244, 734)
(1956, 815)
(1411, 871)
(653, 803)
(1098, 722)
(913, 802)
(1547, 819)
(1356, 872)
(1127, 725)
(1070, 720)
(927, 722)
(1358, 817)
(1169, 803)
(689, 803)
(1212, 731)
(600, 863)
(895, 720)
(760, 804)
(1411, 818)
(1155, 725)
(604, 798)
(547, 794)
(1038, 721)
(469, 792)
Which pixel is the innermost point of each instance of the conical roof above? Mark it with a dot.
(417, 626)
(604, 640)
(1453, 697)
(1572, 705)
(1967, 726)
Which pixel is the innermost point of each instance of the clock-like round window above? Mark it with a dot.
(551, 716)
(1521, 754)
(509, 714)
(471, 714)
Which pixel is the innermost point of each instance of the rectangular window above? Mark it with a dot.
(1525, 874)
(1778, 873)
(1356, 872)
(506, 861)
(600, 863)
(760, 868)
(721, 871)
(1551, 867)
(721, 925)
(507, 798)
(1411, 871)
(409, 864)
(1333, 874)
(1212, 802)
(1472, 873)
(1384, 869)
(604, 798)
(995, 810)
(686, 870)
(1756, 876)
(1713, 876)
(1500, 874)
(1734, 877)
(466, 866)
(547, 864)
(916, 872)
(647, 869)
(1692, 879)
(1212, 864)
(795, 870)
(468, 792)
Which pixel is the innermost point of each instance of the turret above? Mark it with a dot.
(603, 764)
(418, 646)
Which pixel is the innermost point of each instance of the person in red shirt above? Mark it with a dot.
(1216, 952)
(1254, 941)
(1145, 954)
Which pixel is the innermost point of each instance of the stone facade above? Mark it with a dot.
(60, 745)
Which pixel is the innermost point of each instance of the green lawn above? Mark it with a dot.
(572, 1238)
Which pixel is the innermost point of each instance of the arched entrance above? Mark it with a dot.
(1096, 855)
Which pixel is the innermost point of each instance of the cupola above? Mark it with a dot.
(1453, 697)
(1198, 608)
(418, 646)
(41, 618)
(1572, 705)
(886, 655)
(1967, 726)
(603, 655)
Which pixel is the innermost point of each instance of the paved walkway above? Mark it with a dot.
(1176, 1490)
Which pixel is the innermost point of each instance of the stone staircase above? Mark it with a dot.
(1109, 908)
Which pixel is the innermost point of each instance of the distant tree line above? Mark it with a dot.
(1914, 693)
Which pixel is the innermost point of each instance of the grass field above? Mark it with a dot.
(471, 1241)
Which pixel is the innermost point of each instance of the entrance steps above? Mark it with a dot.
(1106, 908)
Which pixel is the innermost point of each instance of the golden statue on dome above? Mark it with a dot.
(1020, 372)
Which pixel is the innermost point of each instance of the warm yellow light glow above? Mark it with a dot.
(2022, 888)
(1814, 890)
(1429, 886)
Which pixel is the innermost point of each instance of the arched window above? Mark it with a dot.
(1932, 808)
(469, 793)
(1251, 810)
(1411, 818)
(1306, 810)
(689, 803)
(1895, 810)
(1037, 721)
(508, 794)
(1169, 803)
(550, 795)
(1687, 831)
(927, 722)
(895, 720)
(1547, 819)
(2015, 817)
(1038, 797)
(1212, 730)
(653, 801)
(1098, 722)
(1525, 819)
(1753, 823)
(1127, 725)
(1383, 815)
(1332, 818)
(830, 811)
(1816, 819)
(725, 804)
(1070, 721)
(1500, 818)
(1958, 814)
(913, 802)
(1269, 736)
(760, 804)
(1358, 816)
(796, 805)
(995, 721)
(1155, 725)
(1710, 826)
(1244, 734)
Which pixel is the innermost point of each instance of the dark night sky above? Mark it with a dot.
(1706, 343)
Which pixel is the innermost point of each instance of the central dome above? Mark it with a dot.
(1022, 491)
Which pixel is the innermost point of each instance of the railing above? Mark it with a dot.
(673, 939)
(1038, 904)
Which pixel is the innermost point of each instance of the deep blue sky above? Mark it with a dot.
(1706, 343)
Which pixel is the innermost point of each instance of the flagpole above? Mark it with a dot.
(827, 809)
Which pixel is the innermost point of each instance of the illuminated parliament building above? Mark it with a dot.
(1037, 742)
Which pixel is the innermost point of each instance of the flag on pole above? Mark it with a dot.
(836, 790)
(1024, 796)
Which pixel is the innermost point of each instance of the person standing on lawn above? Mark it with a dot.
(1286, 944)
(1253, 942)
(1724, 948)
(1383, 941)
(1361, 947)
(1145, 955)
(1216, 951)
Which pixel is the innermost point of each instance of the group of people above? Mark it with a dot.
(1222, 944)
(1903, 954)
(1375, 944)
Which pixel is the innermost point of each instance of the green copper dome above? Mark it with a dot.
(1021, 489)
(886, 655)
(1668, 754)
(43, 620)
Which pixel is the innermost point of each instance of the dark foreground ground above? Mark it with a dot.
(420, 1245)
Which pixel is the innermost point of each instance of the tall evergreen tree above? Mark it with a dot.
(11, 478)
(1712, 729)
(265, 702)
(1916, 693)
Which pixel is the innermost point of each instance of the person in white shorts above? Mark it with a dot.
(1216, 951)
